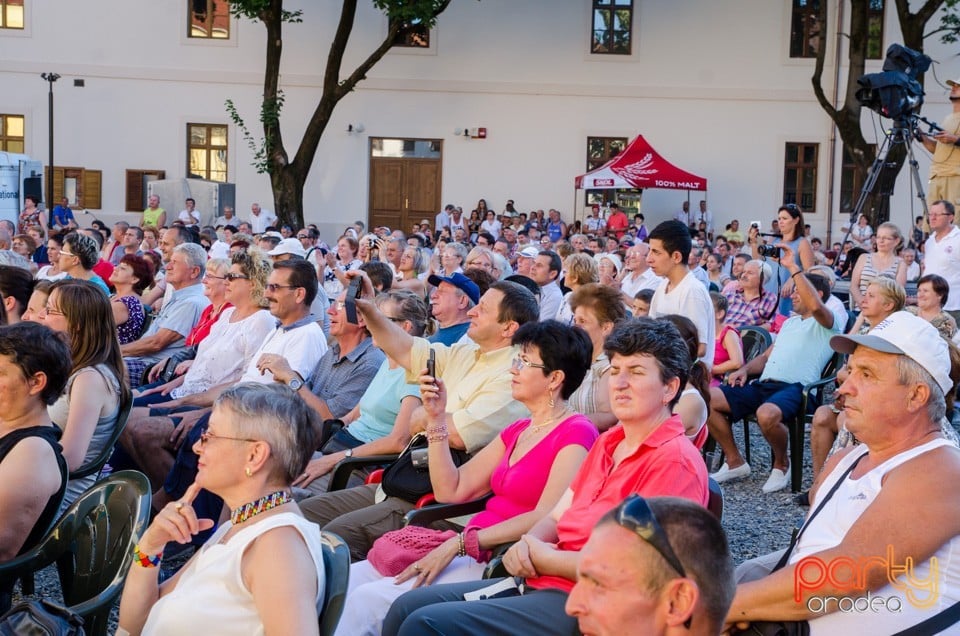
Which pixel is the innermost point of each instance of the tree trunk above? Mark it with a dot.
(287, 183)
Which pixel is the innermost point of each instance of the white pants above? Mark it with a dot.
(370, 594)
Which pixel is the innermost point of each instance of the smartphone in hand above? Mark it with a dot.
(432, 365)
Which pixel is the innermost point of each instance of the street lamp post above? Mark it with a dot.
(50, 78)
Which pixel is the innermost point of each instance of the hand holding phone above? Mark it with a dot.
(432, 366)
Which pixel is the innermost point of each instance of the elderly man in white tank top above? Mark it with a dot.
(879, 552)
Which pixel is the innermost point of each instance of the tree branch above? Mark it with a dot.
(817, 79)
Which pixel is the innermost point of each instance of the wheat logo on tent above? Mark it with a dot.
(637, 170)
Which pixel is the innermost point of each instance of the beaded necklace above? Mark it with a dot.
(252, 509)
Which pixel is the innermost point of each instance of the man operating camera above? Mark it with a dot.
(945, 146)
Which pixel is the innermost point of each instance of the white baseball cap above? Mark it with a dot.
(529, 252)
(902, 333)
(288, 246)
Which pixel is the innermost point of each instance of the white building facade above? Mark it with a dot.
(715, 87)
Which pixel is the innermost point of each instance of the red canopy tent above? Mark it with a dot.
(640, 166)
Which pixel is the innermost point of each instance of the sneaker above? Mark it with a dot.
(729, 474)
(778, 480)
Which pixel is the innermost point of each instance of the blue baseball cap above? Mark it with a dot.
(459, 281)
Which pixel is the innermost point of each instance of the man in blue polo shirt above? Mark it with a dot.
(797, 358)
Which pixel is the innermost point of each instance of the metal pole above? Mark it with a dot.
(50, 78)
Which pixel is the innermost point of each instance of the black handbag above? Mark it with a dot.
(40, 618)
(409, 476)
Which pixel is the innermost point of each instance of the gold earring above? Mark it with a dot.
(552, 403)
(248, 472)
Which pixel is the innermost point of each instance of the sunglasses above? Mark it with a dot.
(635, 515)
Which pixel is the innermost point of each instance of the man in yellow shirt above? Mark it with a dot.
(945, 168)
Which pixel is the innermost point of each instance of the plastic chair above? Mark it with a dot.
(336, 569)
(428, 511)
(346, 467)
(812, 399)
(95, 465)
(92, 545)
(715, 503)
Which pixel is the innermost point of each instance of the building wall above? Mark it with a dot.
(710, 85)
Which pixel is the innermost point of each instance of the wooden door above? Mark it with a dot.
(404, 189)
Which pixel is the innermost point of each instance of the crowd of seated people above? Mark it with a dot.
(504, 308)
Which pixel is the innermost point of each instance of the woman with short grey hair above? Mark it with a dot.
(78, 256)
(258, 439)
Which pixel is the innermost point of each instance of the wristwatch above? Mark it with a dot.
(295, 382)
(348, 453)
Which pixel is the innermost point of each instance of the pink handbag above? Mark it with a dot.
(395, 551)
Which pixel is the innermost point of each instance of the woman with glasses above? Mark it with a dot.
(527, 468)
(228, 349)
(262, 571)
(130, 278)
(647, 453)
(77, 257)
(884, 262)
(87, 410)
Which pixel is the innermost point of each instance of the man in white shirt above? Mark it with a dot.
(680, 293)
(261, 219)
(443, 218)
(683, 214)
(189, 215)
(637, 275)
(705, 216)
(942, 252)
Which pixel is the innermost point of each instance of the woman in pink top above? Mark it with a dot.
(647, 453)
(527, 467)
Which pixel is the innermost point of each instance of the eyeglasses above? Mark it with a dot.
(302, 236)
(519, 363)
(47, 310)
(272, 287)
(209, 275)
(232, 277)
(206, 436)
(635, 515)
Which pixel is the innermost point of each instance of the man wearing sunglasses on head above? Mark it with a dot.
(656, 566)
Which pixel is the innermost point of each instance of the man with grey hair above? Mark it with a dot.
(888, 508)
(168, 331)
(636, 274)
(751, 305)
(169, 239)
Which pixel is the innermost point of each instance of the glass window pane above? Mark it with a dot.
(14, 17)
(792, 153)
(198, 135)
(218, 135)
(198, 161)
(14, 126)
(218, 161)
(809, 154)
(15, 146)
(616, 147)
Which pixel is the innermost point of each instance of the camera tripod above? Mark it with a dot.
(885, 174)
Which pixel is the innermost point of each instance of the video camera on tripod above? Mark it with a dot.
(896, 92)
